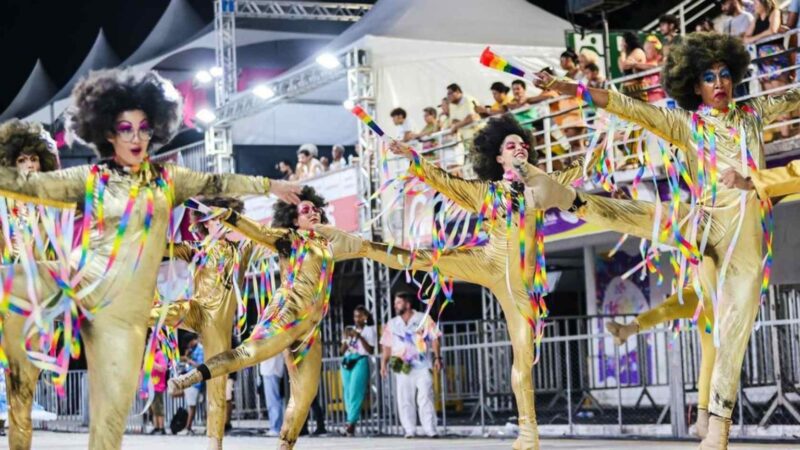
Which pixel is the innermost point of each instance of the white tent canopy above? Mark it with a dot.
(418, 47)
(178, 23)
(38, 88)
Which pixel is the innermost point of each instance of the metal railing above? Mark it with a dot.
(584, 384)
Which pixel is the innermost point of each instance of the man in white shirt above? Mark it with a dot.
(407, 341)
(738, 21)
(338, 160)
(403, 126)
(272, 371)
(308, 166)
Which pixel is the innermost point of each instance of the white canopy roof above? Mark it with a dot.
(38, 88)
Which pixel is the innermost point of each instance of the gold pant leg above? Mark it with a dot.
(216, 339)
(709, 353)
(20, 385)
(180, 313)
(670, 309)
(303, 385)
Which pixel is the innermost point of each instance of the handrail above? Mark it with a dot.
(681, 10)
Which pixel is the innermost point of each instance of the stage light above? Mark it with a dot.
(203, 77)
(328, 61)
(263, 92)
(205, 116)
(348, 104)
(215, 71)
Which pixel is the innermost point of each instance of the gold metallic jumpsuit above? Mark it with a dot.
(210, 313)
(494, 266)
(739, 300)
(301, 299)
(115, 339)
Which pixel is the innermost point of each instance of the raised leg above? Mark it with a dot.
(181, 313)
(304, 384)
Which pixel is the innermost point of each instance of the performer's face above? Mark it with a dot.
(131, 137)
(308, 215)
(28, 163)
(213, 226)
(513, 147)
(715, 86)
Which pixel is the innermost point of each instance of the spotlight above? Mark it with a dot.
(203, 77)
(348, 104)
(328, 61)
(215, 71)
(263, 92)
(205, 116)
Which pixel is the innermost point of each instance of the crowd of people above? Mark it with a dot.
(309, 164)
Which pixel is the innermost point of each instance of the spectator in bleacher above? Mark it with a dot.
(462, 117)
(593, 78)
(519, 95)
(562, 111)
(402, 125)
(339, 161)
(358, 344)
(285, 168)
(569, 64)
(272, 371)
(444, 116)
(705, 25)
(307, 165)
(652, 83)
(632, 57)
(501, 99)
(669, 26)
(326, 163)
(768, 23)
(431, 123)
(586, 57)
(739, 20)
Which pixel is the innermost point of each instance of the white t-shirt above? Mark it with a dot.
(402, 129)
(354, 344)
(410, 341)
(738, 25)
(273, 366)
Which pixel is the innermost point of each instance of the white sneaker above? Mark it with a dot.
(272, 433)
(186, 432)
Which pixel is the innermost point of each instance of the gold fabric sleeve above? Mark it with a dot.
(778, 181)
(180, 250)
(61, 188)
(257, 232)
(575, 170)
(189, 183)
(672, 125)
(772, 107)
(468, 194)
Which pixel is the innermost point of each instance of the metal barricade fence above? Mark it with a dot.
(584, 383)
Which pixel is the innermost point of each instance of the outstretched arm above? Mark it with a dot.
(775, 182)
(189, 184)
(468, 194)
(772, 107)
(61, 188)
(255, 231)
(672, 125)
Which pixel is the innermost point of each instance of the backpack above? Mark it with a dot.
(178, 422)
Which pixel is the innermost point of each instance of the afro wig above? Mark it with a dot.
(488, 143)
(27, 138)
(99, 98)
(285, 214)
(234, 204)
(694, 55)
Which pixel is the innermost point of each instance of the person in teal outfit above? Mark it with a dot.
(358, 344)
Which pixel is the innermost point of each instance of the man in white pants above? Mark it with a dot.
(407, 342)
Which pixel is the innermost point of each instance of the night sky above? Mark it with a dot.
(61, 32)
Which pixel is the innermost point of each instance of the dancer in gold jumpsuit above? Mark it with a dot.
(119, 113)
(212, 310)
(495, 265)
(700, 74)
(29, 148)
(294, 312)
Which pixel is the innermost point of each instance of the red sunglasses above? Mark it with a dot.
(307, 209)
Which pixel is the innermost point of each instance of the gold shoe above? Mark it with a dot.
(719, 430)
(621, 332)
(701, 426)
(345, 245)
(177, 385)
(528, 438)
(214, 443)
(543, 192)
(285, 445)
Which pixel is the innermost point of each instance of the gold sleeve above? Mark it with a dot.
(180, 250)
(575, 171)
(672, 125)
(468, 194)
(257, 232)
(777, 182)
(60, 188)
(773, 106)
(189, 183)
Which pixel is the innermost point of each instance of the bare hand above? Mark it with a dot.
(733, 179)
(384, 371)
(544, 79)
(437, 365)
(288, 192)
(400, 149)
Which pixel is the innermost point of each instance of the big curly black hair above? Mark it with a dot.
(285, 214)
(27, 138)
(99, 98)
(695, 54)
(234, 204)
(488, 144)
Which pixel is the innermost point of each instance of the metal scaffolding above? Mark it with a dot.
(294, 10)
(219, 141)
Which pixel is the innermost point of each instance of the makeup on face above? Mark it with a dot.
(722, 75)
(128, 133)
